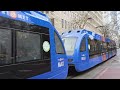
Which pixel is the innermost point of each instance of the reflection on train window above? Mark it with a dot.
(28, 46)
(5, 46)
(95, 47)
(59, 47)
(92, 46)
(104, 47)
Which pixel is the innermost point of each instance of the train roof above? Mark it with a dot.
(79, 31)
(83, 31)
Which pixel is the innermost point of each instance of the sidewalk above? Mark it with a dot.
(112, 71)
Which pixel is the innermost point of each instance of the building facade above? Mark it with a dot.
(64, 20)
(118, 17)
(106, 17)
(97, 20)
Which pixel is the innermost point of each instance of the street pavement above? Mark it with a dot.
(113, 70)
(107, 70)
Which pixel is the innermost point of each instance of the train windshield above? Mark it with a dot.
(69, 43)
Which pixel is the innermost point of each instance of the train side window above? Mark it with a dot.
(104, 49)
(92, 46)
(95, 46)
(83, 45)
(59, 46)
(98, 46)
(28, 46)
(5, 46)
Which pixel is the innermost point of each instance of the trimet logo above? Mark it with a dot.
(13, 14)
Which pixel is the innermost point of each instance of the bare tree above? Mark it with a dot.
(108, 30)
(81, 20)
(104, 30)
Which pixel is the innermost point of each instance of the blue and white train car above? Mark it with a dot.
(86, 49)
(30, 47)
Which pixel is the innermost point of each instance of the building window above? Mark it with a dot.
(47, 12)
(71, 26)
(65, 24)
(74, 26)
(68, 25)
(62, 23)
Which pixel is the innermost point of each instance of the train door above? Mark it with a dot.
(84, 50)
